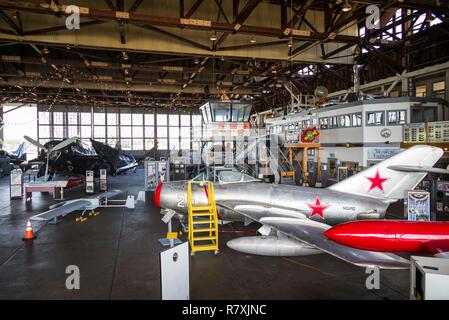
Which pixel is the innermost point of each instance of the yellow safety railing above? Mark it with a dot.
(203, 219)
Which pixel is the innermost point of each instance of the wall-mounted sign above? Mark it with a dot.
(310, 135)
(382, 153)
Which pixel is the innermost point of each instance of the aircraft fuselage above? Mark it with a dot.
(323, 205)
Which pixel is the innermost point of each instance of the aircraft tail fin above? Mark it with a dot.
(387, 184)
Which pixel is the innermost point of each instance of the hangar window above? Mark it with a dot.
(421, 91)
(58, 132)
(333, 122)
(438, 89)
(323, 123)
(375, 118)
(344, 121)
(173, 121)
(85, 118)
(99, 119)
(138, 132)
(125, 119)
(86, 132)
(58, 118)
(357, 119)
(72, 118)
(44, 132)
(44, 117)
(73, 131)
(396, 117)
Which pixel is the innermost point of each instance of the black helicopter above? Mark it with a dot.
(74, 157)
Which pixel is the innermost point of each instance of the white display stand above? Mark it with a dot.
(90, 182)
(174, 264)
(429, 278)
(16, 184)
(103, 180)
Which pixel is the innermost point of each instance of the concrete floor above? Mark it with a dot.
(118, 256)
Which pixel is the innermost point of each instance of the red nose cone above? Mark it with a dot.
(157, 195)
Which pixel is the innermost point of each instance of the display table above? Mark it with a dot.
(54, 187)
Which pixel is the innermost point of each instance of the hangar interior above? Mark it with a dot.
(284, 141)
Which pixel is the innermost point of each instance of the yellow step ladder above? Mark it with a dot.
(203, 220)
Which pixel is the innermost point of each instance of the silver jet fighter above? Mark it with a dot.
(294, 218)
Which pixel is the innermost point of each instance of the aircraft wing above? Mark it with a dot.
(109, 194)
(311, 232)
(61, 210)
(419, 169)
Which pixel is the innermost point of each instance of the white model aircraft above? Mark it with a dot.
(87, 205)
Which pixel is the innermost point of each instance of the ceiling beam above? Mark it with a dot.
(11, 23)
(192, 10)
(205, 25)
(241, 17)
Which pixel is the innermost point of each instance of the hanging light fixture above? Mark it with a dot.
(290, 42)
(196, 61)
(346, 6)
(253, 40)
(213, 36)
(45, 50)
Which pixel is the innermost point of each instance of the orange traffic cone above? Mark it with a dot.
(29, 232)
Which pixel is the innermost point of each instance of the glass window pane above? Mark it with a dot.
(162, 132)
(58, 132)
(185, 120)
(44, 131)
(44, 117)
(185, 132)
(149, 144)
(149, 119)
(126, 144)
(125, 119)
(99, 132)
(112, 142)
(375, 118)
(112, 119)
(185, 144)
(72, 118)
(138, 132)
(137, 119)
(356, 119)
(196, 120)
(174, 132)
(173, 119)
(58, 118)
(125, 132)
(149, 132)
(73, 131)
(112, 132)
(85, 118)
(86, 132)
(99, 119)
(174, 144)
(161, 119)
(137, 144)
(162, 144)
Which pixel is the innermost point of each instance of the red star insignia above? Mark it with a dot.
(317, 208)
(377, 181)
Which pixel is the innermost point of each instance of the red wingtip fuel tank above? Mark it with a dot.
(157, 194)
(393, 236)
